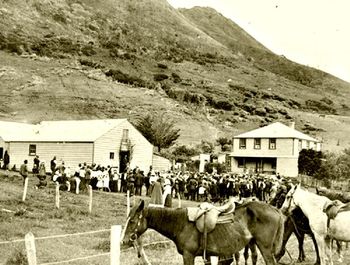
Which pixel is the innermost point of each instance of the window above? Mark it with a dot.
(111, 155)
(300, 145)
(32, 149)
(125, 134)
(242, 143)
(272, 143)
(240, 162)
(307, 144)
(257, 143)
(1, 152)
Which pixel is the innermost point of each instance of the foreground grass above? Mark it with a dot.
(39, 216)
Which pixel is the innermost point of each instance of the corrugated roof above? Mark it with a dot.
(57, 131)
(276, 130)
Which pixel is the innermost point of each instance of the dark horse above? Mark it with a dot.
(298, 224)
(254, 223)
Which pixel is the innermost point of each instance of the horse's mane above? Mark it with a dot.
(171, 219)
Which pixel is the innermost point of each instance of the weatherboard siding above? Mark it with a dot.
(72, 153)
(109, 142)
(284, 147)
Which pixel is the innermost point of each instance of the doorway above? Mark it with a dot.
(124, 160)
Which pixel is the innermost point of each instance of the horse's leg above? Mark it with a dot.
(339, 249)
(318, 261)
(188, 258)
(266, 252)
(300, 237)
(254, 254)
(237, 258)
(328, 250)
(246, 255)
(321, 244)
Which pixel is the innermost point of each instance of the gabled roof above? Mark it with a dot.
(57, 131)
(276, 130)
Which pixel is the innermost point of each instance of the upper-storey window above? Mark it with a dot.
(242, 143)
(272, 143)
(257, 143)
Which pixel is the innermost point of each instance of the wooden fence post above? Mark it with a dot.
(25, 189)
(90, 198)
(57, 196)
(127, 202)
(179, 198)
(115, 244)
(30, 248)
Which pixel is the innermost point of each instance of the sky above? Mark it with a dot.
(311, 32)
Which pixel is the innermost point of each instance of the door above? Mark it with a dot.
(124, 161)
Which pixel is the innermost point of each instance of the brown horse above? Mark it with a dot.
(254, 223)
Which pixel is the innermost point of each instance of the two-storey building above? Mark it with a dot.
(271, 149)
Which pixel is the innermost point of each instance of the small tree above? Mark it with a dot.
(309, 161)
(159, 130)
(225, 143)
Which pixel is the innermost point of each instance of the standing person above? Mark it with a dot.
(42, 175)
(6, 160)
(24, 170)
(138, 182)
(53, 165)
(36, 163)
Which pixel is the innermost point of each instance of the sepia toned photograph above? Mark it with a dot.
(169, 132)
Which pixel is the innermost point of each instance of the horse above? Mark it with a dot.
(296, 223)
(312, 206)
(253, 223)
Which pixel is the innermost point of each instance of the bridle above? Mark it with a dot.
(134, 236)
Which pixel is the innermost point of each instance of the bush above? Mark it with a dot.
(17, 258)
(121, 77)
(160, 77)
(162, 66)
(176, 78)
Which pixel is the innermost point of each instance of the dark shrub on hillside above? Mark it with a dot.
(121, 77)
(327, 101)
(162, 66)
(176, 78)
(160, 77)
(90, 63)
(260, 111)
(319, 106)
(224, 105)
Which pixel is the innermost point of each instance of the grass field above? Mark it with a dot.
(39, 216)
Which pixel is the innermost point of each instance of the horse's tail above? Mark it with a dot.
(277, 245)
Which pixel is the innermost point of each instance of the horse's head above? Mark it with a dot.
(289, 203)
(136, 225)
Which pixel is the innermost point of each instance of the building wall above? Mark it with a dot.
(284, 147)
(287, 166)
(250, 165)
(71, 153)
(142, 150)
(160, 163)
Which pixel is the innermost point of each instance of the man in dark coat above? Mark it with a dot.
(6, 160)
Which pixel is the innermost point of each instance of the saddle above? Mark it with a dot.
(334, 207)
(207, 216)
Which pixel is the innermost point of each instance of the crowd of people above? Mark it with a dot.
(185, 185)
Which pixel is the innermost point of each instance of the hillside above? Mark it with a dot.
(71, 59)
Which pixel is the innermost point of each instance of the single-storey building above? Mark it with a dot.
(271, 149)
(113, 142)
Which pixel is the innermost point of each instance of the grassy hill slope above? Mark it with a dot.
(71, 59)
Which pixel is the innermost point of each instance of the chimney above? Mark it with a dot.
(292, 124)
